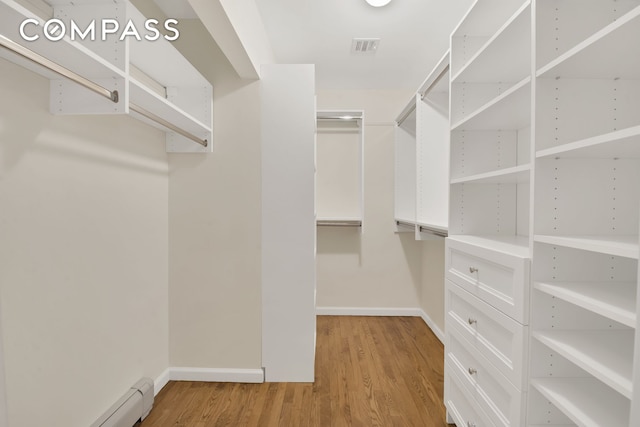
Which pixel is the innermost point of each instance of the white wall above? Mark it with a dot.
(83, 256)
(214, 224)
(378, 268)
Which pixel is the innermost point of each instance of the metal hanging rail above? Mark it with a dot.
(433, 230)
(100, 90)
(406, 112)
(435, 81)
(401, 223)
(163, 122)
(338, 223)
(57, 68)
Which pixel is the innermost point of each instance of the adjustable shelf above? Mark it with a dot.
(621, 143)
(505, 45)
(510, 110)
(624, 246)
(511, 245)
(607, 355)
(613, 300)
(482, 22)
(513, 175)
(583, 38)
(586, 401)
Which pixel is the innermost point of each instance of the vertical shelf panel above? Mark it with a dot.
(432, 151)
(405, 169)
(288, 222)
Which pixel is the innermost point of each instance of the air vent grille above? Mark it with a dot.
(364, 45)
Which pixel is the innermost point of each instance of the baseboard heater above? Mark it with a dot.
(134, 406)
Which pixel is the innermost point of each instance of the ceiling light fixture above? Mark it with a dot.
(378, 3)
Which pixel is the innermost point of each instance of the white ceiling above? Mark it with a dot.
(414, 35)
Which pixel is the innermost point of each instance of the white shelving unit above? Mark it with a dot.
(587, 168)
(422, 157)
(154, 82)
(545, 166)
(340, 168)
(489, 246)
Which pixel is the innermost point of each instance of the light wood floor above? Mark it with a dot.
(370, 371)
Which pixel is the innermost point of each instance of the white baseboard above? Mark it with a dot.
(161, 381)
(432, 325)
(223, 375)
(368, 311)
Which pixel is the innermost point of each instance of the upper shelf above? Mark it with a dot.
(481, 23)
(511, 43)
(67, 53)
(601, 56)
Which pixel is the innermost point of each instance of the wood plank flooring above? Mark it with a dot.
(370, 371)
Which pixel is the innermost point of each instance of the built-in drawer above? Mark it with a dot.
(496, 336)
(461, 407)
(499, 278)
(493, 392)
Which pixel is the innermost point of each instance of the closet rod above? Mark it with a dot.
(435, 81)
(111, 95)
(406, 113)
(404, 223)
(57, 68)
(432, 230)
(166, 124)
(338, 223)
(341, 118)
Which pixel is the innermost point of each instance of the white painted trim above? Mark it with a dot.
(432, 325)
(161, 381)
(217, 375)
(368, 311)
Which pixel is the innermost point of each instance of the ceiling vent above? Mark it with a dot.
(364, 45)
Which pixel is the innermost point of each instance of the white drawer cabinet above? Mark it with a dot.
(500, 339)
(461, 406)
(492, 391)
(500, 278)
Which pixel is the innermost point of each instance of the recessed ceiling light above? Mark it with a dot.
(378, 3)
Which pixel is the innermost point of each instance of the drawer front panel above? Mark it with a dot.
(499, 279)
(495, 395)
(496, 336)
(461, 407)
